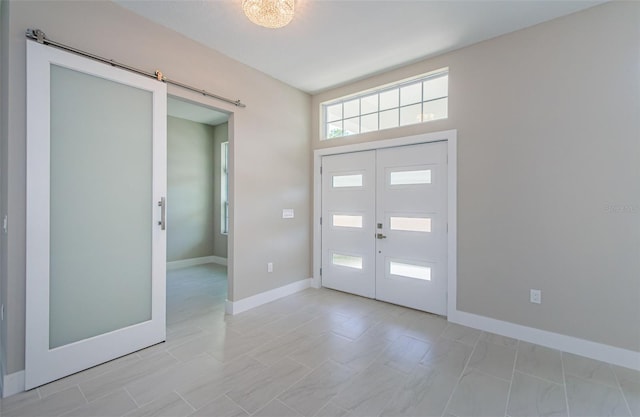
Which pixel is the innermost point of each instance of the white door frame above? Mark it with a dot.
(451, 137)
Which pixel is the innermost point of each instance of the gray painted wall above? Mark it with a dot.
(191, 167)
(548, 171)
(269, 158)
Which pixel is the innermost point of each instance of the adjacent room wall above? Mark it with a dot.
(269, 154)
(548, 171)
(191, 167)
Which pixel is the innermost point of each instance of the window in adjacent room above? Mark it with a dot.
(224, 194)
(416, 100)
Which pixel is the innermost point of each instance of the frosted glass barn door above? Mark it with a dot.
(96, 171)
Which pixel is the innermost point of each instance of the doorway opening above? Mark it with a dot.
(197, 211)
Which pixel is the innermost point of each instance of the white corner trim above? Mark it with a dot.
(569, 344)
(196, 261)
(236, 307)
(13, 384)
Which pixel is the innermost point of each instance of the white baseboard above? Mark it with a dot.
(196, 261)
(236, 307)
(13, 384)
(570, 344)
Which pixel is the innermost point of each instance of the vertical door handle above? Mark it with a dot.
(163, 213)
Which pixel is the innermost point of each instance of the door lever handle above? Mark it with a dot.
(380, 236)
(163, 213)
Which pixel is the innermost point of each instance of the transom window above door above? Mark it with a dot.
(416, 100)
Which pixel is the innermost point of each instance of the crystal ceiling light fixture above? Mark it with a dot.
(271, 14)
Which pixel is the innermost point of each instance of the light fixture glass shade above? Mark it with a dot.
(269, 13)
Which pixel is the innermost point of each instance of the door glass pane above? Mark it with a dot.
(410, 177)
(340, 181)
(343, 220)
(347, 260)
(410, 224)
(409, 270)
(101, 206)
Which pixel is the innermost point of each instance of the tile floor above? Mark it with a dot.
(325, 353)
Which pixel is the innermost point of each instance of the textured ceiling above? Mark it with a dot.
(333, 42)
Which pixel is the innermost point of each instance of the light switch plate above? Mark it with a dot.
(287, 214)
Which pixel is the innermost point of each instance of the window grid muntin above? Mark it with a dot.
(398, 87)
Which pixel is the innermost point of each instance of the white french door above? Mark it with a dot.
(384, 225)
(348, 222)
(96, 181)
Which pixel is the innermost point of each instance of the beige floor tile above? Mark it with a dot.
(332, 410)
(626, 374)
(589, 369)
(234, 374)
(448, 355)
(588, 398)
(404, 354)
(425, 393)
(174, 338)
(540, 361)
(631, 393)
(253, 320)
(496, 339)
(290, 322)
(277, 408)
(75, 379)
(496, 360)
(168, 406)
(220, 407)
(239, 345)
(531, 397)
(273, 351)
(427, 327)
(315, 390)
(369, 392)
(629, 380)
(200, 345)
(115, 379)
(462, 334)
(20, 400)
(325, 322)
(196, 371)
(268, 384)
(118, 403)
(361, 352)
(54, 405)
(354, 327)
(327, 353)
(479, 395)
(313, 352)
